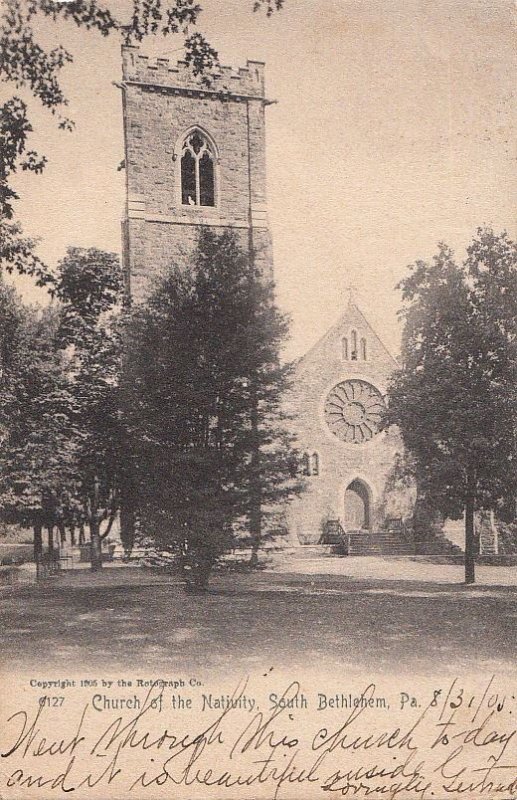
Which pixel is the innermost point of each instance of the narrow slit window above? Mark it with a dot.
(344, 348)
(197, 171)
(363, 349)
(306, 466)
(315, 464)
(353, 349)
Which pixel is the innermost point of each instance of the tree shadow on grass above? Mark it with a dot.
(344, 584)
(279, 619)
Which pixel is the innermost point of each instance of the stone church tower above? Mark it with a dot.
(337, 401)
(195, 156)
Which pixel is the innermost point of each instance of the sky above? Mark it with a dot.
(393, 130)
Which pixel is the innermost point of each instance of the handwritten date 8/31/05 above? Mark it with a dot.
(456, 697)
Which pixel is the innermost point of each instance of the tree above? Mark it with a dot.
(37, 458)
(201, 361)
(454, 398)
(64, 455)
(89, 287)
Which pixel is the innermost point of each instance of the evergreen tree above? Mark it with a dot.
(455, 398)
(203, 386)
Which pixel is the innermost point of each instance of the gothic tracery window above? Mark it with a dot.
(310, 464)
(197, 171)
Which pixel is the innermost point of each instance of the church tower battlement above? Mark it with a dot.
(194, 156)
(246, 81)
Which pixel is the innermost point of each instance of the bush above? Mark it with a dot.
(507, 538)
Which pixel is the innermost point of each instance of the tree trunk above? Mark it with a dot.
(62, 532)
(50, 530)
(470, 543)
(255, 491)
(197, 576)
(95, 534)
(53, 557)
(38, 546)
(96, 546)
(127, 527)
(255, 530)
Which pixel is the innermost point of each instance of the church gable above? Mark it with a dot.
(349, 367)
(350, 347)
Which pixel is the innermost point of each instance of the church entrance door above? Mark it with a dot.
(357, 507)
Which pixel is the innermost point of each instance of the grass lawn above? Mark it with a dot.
(130, 618)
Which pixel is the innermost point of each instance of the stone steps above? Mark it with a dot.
(382, 543)
(360, 544)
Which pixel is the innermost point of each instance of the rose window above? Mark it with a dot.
(353, 411)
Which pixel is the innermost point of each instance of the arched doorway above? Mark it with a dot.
(357, 507)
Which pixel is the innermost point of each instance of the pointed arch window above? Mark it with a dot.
(344, 348)
(197, 171)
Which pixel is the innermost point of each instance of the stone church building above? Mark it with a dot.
(195, 156)
(337, 403)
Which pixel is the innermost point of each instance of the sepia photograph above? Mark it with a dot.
(258, 399)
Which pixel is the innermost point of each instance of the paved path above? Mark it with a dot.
(393, 569)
